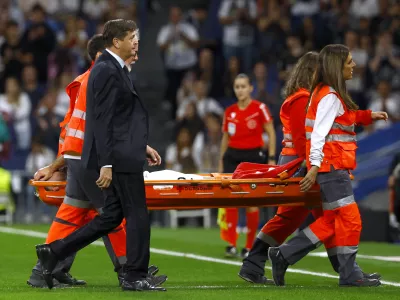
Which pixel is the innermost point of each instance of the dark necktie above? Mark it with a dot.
(125, 68)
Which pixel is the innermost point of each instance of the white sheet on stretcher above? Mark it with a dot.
(168, 175)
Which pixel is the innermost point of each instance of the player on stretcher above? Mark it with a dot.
(250, 185)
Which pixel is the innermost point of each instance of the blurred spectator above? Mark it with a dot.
(356, 85)
(10, 11)
(178, 41)
(72, 36)
(273, 27)
(10, 52)
(38, 41)
(229, 76)
(383, 20)
(5, 141)
(204, 104)
(208, 73)
(265, 89)
(387, 101)
(289, 58)
(47, 122)
(364, 8)
(179, 155)
(62, 100)
(302, 8)
(31, 85)
(207, 144)
(238, 18)
(191, 120)
(185, 91)
(385, 64)
(39, 157)
(15, 106)
(197, 17)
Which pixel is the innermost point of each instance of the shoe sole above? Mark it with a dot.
(269, 282)
(60, 286)
(359, 286)
(272, 269)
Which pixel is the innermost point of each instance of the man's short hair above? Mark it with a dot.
(118, 28)
(95, 44)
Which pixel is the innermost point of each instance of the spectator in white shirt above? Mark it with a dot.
(179, 155)
(385, 100)
(178, 41)
(364, 8)
(16, 108)
(203, 103)
(238, 18)
(207, 144)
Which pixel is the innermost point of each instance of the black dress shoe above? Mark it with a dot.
(157, 280)
(48, 260)
(36, 280)
(152, 271)
(376, 276)
(363, 282)
(253, 278)
(141, 286)
(68, 279)
(279, 265)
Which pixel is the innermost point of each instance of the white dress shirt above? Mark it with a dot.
(328, 109)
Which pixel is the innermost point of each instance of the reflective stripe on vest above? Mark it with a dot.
(349, 128)
(336, 137)
(287, 141)
(75, 133)
(80, 114)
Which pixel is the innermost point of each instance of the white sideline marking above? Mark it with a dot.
(31, 233)
(372, 257)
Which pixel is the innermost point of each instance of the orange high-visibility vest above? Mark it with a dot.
(73, 142)
(340, 143)
(72, 90)
(287, 142)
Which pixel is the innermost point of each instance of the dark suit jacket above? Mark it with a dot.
(116, 129)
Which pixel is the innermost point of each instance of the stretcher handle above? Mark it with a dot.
(47, 183)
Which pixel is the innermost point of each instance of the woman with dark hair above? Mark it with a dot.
(287, 219)
(243, 127)
(330, 155)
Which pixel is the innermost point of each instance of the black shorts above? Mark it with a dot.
(233, 157)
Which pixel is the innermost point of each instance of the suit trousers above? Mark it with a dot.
(125, 197)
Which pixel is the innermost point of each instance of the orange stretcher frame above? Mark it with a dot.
(214, 191)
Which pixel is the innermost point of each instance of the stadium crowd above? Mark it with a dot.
(43, 44)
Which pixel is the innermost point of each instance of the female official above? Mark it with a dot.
(243, 127)
(330, 152)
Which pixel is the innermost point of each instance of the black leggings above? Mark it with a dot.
(233, 157)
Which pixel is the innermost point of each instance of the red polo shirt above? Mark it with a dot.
(246, 126)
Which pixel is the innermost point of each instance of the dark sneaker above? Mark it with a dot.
(363, 282)
(36, 280)
(279, 265)
(244, 253)
(257, 279)
(376, 276)
(231, 251)
(67, 278)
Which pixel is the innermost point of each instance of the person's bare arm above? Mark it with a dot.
(270, 130)
(224, 147)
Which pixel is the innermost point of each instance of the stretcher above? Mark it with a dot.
(214, 190)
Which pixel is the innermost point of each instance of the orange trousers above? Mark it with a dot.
(286, 220)
(70, 218)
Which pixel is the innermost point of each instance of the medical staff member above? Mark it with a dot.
(243, 126)
(289, 218)
(331, 154)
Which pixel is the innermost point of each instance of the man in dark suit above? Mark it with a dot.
(115, 142)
